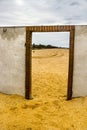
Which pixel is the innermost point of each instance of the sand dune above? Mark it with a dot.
(49, 109)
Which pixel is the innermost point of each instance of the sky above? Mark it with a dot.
(59, 39)
(44, 12)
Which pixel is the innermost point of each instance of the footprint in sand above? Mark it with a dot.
(33, 106)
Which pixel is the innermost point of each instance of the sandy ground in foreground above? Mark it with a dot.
(49, 109)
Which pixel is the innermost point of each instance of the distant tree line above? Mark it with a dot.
(41, 46)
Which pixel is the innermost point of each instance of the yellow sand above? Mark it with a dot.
(49, 109)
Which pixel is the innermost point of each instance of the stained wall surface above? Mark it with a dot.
(80, 62)
(12, 60)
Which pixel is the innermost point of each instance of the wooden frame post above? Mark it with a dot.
(28, 62)
(71, 63)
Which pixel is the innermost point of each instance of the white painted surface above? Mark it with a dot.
(12, 61)
(80, 62)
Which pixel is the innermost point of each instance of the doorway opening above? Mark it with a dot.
(29, 31)
(50, 62)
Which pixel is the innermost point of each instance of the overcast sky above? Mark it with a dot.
(54, 38)
(43, 12)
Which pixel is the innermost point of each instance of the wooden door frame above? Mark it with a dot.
(28, 60)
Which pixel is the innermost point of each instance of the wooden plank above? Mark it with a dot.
(71, 61)
(28, 81)
(49, 28)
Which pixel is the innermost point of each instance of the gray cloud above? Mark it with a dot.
(74, 4)
(38, 12)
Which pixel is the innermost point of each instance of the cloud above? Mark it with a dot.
(74, 4)
(39, 12)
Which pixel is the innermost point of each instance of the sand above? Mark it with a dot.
(49, 109)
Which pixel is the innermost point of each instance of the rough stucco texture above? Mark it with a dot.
(80, 62)
(12, 61)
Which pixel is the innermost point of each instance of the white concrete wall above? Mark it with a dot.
(12, 61)
(80, 62)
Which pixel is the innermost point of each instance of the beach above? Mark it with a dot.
(49, 109)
